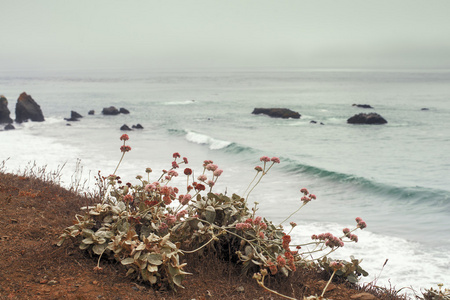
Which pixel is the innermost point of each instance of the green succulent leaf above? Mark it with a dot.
(127, 261)
(99, 249)
(210, 214)
(155, 259)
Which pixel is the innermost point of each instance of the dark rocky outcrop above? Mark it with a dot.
(124, 111)
(425, 108)
(315, 122)
(137, 126)
(9, 127)
(110, 111)
(4, 111)
(125, 127)
(91, 112)
(372, 118)
(28, 109)
(362, 105)
(74, 116)
(277, 113)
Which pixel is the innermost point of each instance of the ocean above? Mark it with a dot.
(396, 176)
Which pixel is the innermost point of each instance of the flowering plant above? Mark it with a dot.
(149, 225)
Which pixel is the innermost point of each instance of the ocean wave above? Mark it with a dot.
(411, 195)
(202, 139)
(185, 102)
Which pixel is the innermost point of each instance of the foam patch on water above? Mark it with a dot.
(202, 139)
(186, 102)
(410, 264)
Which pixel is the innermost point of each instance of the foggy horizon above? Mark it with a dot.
(200, 34)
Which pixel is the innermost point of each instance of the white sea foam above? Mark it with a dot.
(185, 102)
(202, 139)
(410, 264)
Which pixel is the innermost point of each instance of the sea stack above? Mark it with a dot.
(28, 109)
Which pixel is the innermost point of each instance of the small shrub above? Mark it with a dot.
(148, 226)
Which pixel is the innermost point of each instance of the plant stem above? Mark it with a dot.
(261, 283)
(328, 283)
(292, 214)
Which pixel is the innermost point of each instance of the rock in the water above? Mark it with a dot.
(91, 112)
(110, 111)
(137, 126)
(277, 113)
(124, 111)
(362, 105)
(74, 116)
(125, 127)
(4, 111)
(27, 108)
(372, 118)
(425, 108)
(313, 122)
(9, 127)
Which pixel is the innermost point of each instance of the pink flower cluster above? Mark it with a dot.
(202, 178)
(128, 198)
(181, 214)
(330, 240)
(184, 199)
(152, 187)
(169, 193)
(243, 226)
(360, 223)
(257, 221)
(125, 148)
(266, 159)
(272, 267)
(174, 163)
(306, 198)
(286, 241)
(171, 219)
(351, 236)
(336, 265)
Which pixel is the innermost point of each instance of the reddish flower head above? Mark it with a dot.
(128, 198)
(176, 155)
(218, 172)
(125, 148)
(186, 199)
(187, 171)
(275, 160)
(281, 261)
(200, 187)
(124, 137)
(202, 178)
(264, 158)
(258, 169)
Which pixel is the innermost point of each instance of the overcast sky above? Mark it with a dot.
(149, 34)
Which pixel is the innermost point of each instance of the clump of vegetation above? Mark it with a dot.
(437, 294)
(148, 226)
